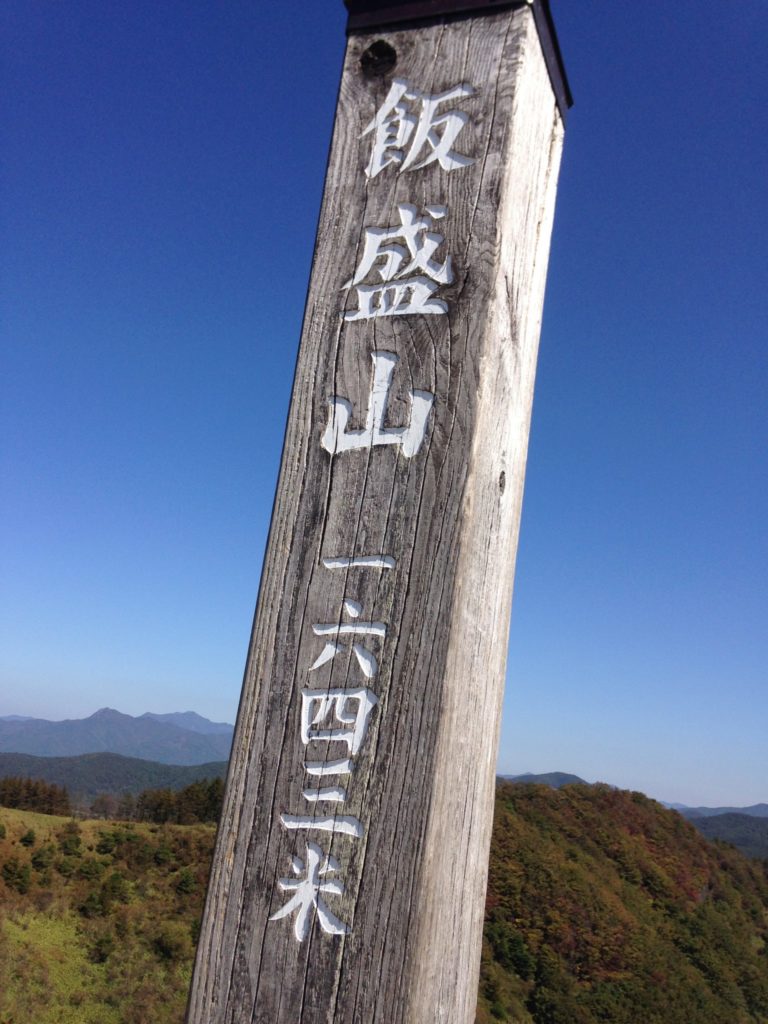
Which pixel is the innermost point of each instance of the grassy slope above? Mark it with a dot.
(104, 933)
(47, 975)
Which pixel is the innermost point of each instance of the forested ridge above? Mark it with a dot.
(748, 833)
(602, 907)
(199, 802)
(605, 907)
(105, 774)
(34, 795)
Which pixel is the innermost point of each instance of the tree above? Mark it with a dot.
(16, 875)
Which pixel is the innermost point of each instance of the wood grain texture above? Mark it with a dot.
(422, 784)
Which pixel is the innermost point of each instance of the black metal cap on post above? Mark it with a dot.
(367, 15)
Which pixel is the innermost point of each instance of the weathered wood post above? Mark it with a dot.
(349, 875)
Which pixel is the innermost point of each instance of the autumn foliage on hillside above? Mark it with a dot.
(604, 907)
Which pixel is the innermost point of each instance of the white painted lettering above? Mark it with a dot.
(337, 438)
(336, 794)
(408, 124)
(361, 562)
(308, 891)
(322, 769)
(355, 628)
(401, 294)
(344, 824)
(365, 659)
(350, 707)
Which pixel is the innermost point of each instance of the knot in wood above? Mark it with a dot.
(378, 59)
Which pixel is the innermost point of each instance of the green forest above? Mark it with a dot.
(34, 795)
(602, 907)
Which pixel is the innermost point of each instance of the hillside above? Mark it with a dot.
(98, 920)
(747, 833)
(754, 811)
(605, 907)
(110, 731)
(91, 775)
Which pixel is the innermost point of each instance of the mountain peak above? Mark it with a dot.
(555, 780)
(181, 742)
(190, 720)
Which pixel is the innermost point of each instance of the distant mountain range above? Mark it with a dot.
(754, 811)
(746, 832)
(113, 753)
(192, 721)
(180, 738)
(91, 775)
(555, 780)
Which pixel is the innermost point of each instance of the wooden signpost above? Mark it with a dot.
(349, 875)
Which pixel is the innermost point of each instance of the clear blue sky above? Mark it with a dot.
(163, 165)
